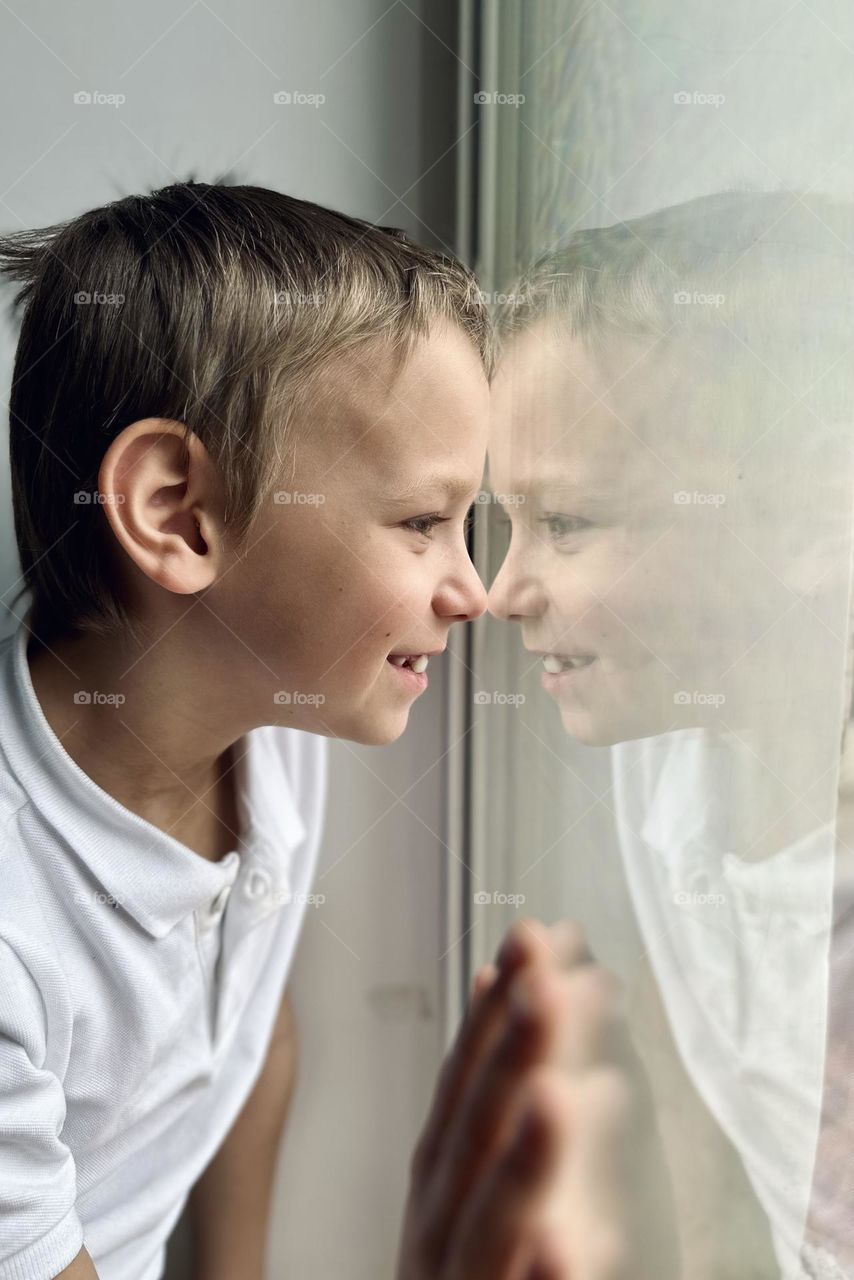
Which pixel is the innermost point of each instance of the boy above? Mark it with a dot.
(675, 407)
(245, 433)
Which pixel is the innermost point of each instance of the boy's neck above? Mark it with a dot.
(154, 753)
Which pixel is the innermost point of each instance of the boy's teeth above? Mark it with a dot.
(417, 662)
(554, 665)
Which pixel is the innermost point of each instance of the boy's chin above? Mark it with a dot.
(602, 731)
(375, 731)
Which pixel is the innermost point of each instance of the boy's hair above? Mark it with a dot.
(749, 292)
(211, 305)
(747, 298)
(690, 268)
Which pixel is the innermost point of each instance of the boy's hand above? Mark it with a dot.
(517, 1174)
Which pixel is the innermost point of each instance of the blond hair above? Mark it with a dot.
(211, 305)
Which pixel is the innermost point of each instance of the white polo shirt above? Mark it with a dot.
(139, 984)
(740, 952)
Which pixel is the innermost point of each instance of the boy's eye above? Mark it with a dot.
(560, 526)
(425, 524)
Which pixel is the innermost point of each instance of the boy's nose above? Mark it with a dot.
(475, 601)
(463, 598)
(513, 597)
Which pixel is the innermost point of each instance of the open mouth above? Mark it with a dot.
(555, 663)
(416, 662)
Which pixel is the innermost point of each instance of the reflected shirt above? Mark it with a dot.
(740, 952)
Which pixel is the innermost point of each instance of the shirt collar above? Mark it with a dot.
(674, 796)
(152, 876)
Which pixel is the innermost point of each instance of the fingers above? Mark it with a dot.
(569, 944)
(591, 1202)
(475, 1037)
(483, 980)
(527, 944)
(592, 1029)
(502, 1222)
(489, 1109)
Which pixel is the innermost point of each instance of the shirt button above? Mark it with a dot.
(257, 884)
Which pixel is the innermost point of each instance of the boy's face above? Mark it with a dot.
(623, 557)
(366, 557)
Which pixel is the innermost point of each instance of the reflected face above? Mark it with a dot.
(638, 562)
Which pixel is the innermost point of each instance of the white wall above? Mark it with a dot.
(199, 84)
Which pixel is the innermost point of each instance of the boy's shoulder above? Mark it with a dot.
(33, 987)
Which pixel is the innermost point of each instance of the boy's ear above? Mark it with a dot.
(163, 499)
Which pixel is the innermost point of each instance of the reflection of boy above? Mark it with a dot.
(643, 612)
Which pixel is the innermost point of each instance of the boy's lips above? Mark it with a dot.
(415, 658)
(412, 667)
(414, 680)
(562, 669)
(405, 653)
(555, 662)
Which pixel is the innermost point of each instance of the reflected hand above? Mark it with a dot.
(516, 1175)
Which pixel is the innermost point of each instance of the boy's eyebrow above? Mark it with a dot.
(451, 486)
(565, 489)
